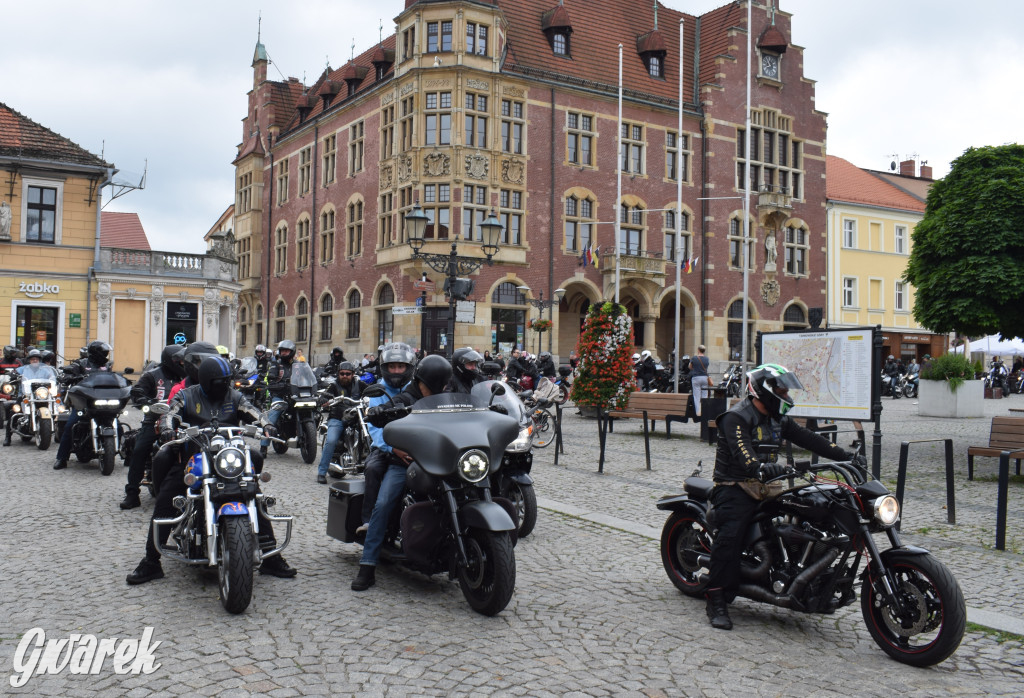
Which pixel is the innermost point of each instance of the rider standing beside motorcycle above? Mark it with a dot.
(760, 419)
(153, 386)
(430, 377)
(95, 360)
(212, 399)
(35, 369)
(645, 370)
(344, 385)
(279, 375)
(465, 373)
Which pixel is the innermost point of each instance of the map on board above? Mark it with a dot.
(834, 367)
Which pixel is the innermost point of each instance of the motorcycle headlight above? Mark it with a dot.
(523, 442)
(42, 393)
(229, 463)
(473, 465)
(887, 510)
(306, 403)
(8, 388)
(106, 403)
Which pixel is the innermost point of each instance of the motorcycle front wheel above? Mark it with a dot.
(683, 538)
(489, 576)
(908, 390)
(543, 427)
(108, 455)
(525, 501)
(932, 623)
(236, 547)
(308, 446)
(45, 434)
(734, 390)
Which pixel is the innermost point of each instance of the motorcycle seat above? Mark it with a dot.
(699, 487)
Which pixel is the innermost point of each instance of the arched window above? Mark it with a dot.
(736, 331)
(794, 318)
(259, 323)
(355, 299)
(509, 321)
(385, 319)
(579, 223)
(670, 236)
(326, 317)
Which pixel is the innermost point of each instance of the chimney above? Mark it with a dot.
(908, 167)
(926, 171)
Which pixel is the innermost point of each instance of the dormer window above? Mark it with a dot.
(651, 47)
(560, 44)
(655, 67)
(557, 27)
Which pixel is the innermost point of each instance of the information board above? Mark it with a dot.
(835, 367)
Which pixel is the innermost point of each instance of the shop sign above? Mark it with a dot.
(182, 311)
(75, 320)
(36, 289)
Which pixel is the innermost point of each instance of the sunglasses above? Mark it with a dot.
(344, 373)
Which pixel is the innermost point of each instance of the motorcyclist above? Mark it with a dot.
(278, 377)
(262, 359)
(514, 369)
(430, 376)
(347, 385)
(95, 359)
(546, 365)
(892, 370)
(35, 369)
(646, 369)
(465, 370)
(997, 370)
(49, 358)
(212, 399)
(335, 360)
(759, 419)
(153, 386)
(10, 359)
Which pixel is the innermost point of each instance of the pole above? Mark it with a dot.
(618, 186)
(679, 214)
(746, 202)
(452, 263)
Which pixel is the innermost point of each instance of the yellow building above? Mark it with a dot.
(871, 218)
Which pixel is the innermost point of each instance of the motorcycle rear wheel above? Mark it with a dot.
(108, 455)
(936, 612)
(308, 446)
(236, 547)
(524, 499)
(563, 394)
(45, 434)
(684, 536)
(489, 577)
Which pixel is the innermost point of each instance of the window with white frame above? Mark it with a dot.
(579, 223)
(385, 224)
(580, 138)
(900, 239)
(326, 317)
(354, 301)
(355, 228)
(282, 182)
(301, 319)
(677, 155)
(849, 233)
(305, 169)
(327, 236)
(355, 147)
(436, 198)
(736, 246)
(632, 151)
(900, 297)
(670, 236)
(776, 158)
(631, 229)
(474, 211)
(513, 126)
(330, 158)
(302, 243)
(387, 132)
(41, 212)
(796, 248)
(849, 292)
(511, 215)
(281, 249)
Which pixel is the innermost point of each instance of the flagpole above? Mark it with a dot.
(618, 189)
(679, 213)
(746, 202)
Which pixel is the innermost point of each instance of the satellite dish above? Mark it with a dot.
(892, 165)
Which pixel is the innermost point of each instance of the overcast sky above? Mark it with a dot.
(166, 82)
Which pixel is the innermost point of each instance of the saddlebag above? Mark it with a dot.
(344, 509)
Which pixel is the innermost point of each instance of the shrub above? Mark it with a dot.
(952, 368)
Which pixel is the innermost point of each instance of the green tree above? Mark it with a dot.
(967, 265)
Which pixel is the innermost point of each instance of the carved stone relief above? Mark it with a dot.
(436, 165)
(476, 84)
(512, 170)
(770, 292)
(404, 168)
(406, 89)
(510, 91)
(386, 175)
(437, 82)
(477, 166)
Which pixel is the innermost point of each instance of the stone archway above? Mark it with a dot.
(665, 326)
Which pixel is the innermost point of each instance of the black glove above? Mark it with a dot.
(859, 460)
(165, 435)
(379, 415)
(770, 471)
(500, 409)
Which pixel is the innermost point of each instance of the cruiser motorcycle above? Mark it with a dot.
(354, 445)
(99, 398)
(298, 423)
(804, 549)
(732, 381)
(32, 414)
(250, 383)
(218, 525)
(447, 520)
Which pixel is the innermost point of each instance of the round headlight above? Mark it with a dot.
(229, 463)
(7, 388)
(42, 393)
(887, 510)
(473, 465)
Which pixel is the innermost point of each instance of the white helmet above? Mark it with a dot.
(644, 355)
(636, 357)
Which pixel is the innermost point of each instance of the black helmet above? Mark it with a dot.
(98, 352)
(397, 353)
(288, 346)
(172, 361)
(765, 380)
(490, 368)
(49, 358)
(215, 377)
(337, 354)
(434, 372)
(34, 354)
(461, 357)
(9, 352)
(83, 352)
(260, 351)
(193, 357)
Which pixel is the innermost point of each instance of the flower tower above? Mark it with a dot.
(605, 373)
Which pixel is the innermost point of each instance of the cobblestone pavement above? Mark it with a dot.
(593, 614)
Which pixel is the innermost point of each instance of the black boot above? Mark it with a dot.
(60, 464)
(130, 501)
(365, 579)
(7, 440)
(147, 571)
(718, 610)
(277, 567)
(263, 451)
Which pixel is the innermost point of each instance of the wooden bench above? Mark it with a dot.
(652, 407)
(1007, 434)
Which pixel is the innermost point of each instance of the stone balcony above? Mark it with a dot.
(640, 265)
(166, 264)
(771, 198)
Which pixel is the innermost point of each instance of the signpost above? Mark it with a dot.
(423, 285)
(406, 310)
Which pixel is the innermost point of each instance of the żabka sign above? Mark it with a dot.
(37, 289)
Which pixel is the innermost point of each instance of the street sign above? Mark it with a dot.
(406, 310)
(420, 285)
(75, 320)
(420, 301)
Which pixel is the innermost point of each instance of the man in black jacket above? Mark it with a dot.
(546, 364)
(344, 385)
(212, 399)
(153, 386)
(336, 359)
(278, 378)
(465, 370)
(95, 360)
(760, 419)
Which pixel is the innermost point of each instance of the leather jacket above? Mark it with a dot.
(192, 406)
(334, 390)
(743, 428)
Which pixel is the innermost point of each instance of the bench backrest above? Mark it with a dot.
(1007, 432)
(640, 401)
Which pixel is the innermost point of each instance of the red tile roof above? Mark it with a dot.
(123, 230)
(20, 137)
(846, 182)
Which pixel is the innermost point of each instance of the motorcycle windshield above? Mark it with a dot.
(248, 366)
(510, 401)
(302, 375)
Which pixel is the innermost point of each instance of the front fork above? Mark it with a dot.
(881, 572)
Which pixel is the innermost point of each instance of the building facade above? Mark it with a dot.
(871, 221)
(474, 106)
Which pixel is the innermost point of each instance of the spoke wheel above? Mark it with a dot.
(543, 427)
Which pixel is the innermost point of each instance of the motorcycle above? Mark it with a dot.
(250, 383)
(732, 381)
(803, 550)
(354, 446)
(99, 398)
(665, 379)
(299, 419)
(512, 481)
(447, 520)
(218, 526)
(908, 384)
(32, 414)
(997, 377)
(890, 386)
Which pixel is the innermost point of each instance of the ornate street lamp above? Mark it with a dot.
(452, 264)
(540, 304)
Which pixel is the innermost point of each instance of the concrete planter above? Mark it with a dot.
(937, 400)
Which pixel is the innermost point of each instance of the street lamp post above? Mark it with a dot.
(540, 304)
(452, 264)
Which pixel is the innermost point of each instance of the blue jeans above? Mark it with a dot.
(391, 488)
(66, 440)
(335, 428)
(700, 391)
(272, 417)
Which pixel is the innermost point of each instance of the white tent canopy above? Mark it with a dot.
(995, 345)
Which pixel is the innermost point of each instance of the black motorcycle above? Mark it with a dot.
(447, 520)
(299, 420)
(803, 551)
(250, 383)
(99, 398)
(732, 381)
(353, 447)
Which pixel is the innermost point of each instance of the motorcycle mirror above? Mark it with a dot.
(160, 408)
(375, 390)
(129, 370)
(497, 389)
